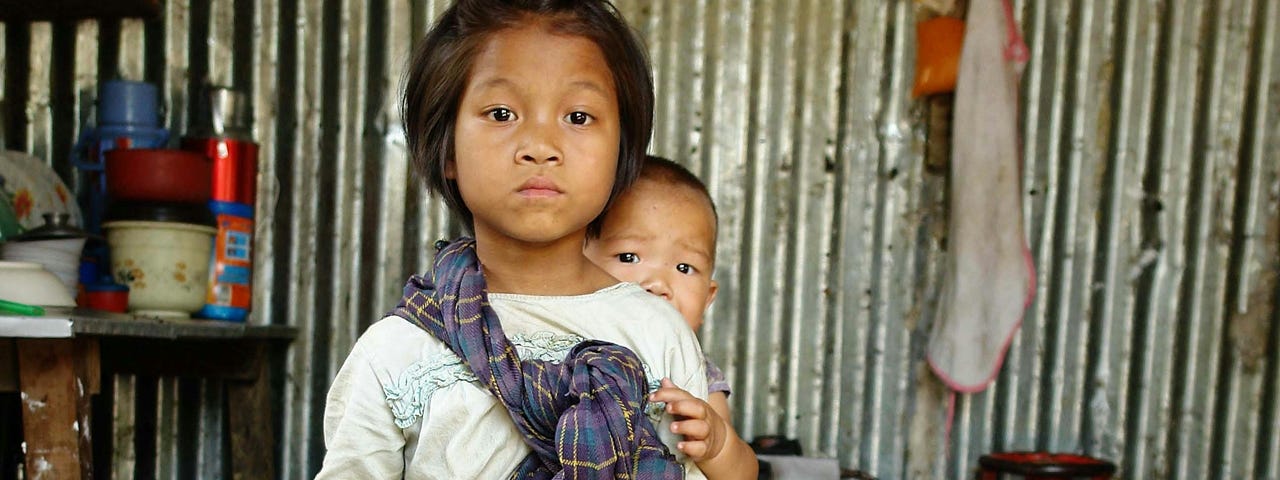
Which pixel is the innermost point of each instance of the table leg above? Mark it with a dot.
(251, 421)
(55, 378)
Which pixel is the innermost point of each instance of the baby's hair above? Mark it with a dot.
(667, 172)
(441, 65)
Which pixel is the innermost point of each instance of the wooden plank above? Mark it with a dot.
(229, 359)
(252, 422)
(26, 10)
(62, 322)
(8, 366)
(91, 363)
(55, 408)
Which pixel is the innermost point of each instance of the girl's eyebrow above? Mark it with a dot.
(506, 83)
(590, 85)
(496, 82)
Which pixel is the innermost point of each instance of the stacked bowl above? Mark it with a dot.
(160, 229)
(39, 219)
(30, 283)
(56, 246)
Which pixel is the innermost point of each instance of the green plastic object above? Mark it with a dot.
(21, 308)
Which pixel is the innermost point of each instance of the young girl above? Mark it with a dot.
(528, 117)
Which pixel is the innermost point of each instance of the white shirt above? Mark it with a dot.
(404, 406)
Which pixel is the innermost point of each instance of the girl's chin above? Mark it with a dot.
(538, 234)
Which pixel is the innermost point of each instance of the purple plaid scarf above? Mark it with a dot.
(582, 417)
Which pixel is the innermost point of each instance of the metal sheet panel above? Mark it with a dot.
(1152, 205)
(38, 110)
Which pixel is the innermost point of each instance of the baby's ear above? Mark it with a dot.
(451, 169)
(711, 294)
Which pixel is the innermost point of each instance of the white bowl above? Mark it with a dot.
(30, 283)
(60, 256)
(165, 265)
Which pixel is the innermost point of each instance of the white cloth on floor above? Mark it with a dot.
(802, 468)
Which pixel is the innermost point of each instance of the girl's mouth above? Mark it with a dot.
(539, 187)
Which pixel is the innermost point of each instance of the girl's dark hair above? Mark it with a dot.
(441, 65)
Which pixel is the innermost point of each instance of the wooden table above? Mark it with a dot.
(61, 355)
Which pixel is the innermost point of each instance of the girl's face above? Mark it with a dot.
(537, 136)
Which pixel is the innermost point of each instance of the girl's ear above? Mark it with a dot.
(451, 170)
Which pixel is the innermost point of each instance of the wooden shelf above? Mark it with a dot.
(60, 358)
(29, 10)
(66, 323)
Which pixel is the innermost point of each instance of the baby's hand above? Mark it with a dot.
(703, 430)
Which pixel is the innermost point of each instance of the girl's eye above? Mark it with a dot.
(684, 268)
(501, 114)
(628, 257)
(578, 118)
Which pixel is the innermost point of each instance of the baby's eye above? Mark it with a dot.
(685, 268)
(628, 257)
(501, 114)
(578, 118)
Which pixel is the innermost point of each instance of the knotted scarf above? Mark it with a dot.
(582, 417)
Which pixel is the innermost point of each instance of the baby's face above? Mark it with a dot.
(663, 238)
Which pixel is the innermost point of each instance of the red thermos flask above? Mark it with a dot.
(222, 132)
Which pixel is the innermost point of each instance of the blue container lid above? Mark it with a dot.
(220, 312)
(140, 136)
(124, 102)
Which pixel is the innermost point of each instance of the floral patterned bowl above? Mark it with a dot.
(34, 189)
(164, 264)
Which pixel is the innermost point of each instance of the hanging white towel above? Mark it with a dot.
(990, 278)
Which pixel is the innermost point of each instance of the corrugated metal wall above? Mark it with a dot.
(1151, 201)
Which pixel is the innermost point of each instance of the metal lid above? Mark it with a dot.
(222, 111)
(56, 227)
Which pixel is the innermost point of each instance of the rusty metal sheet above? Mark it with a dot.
(1152, 205)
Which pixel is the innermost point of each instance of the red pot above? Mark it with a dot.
(158, 175)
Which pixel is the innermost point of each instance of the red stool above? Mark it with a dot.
(1044, 466)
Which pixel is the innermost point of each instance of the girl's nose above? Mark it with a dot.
(540, 143)
(539, 157)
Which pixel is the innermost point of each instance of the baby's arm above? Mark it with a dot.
(360, 434)
(710, 439)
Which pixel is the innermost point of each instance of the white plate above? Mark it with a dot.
(34, 189)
